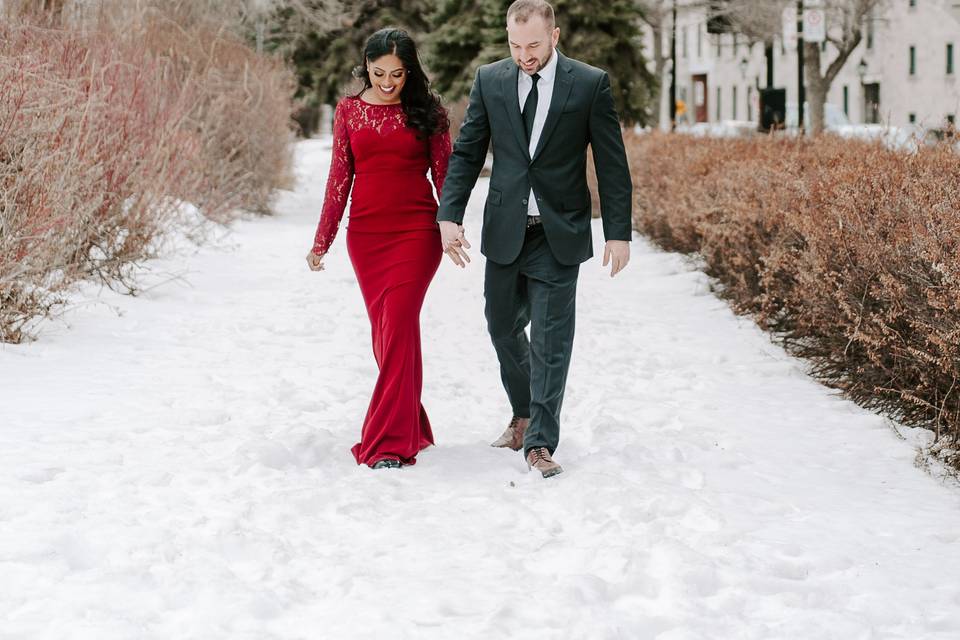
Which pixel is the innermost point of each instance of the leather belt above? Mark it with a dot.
(533, 221)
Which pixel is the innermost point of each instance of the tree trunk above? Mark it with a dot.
(816, 87)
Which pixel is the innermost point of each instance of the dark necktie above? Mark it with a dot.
(530, 107)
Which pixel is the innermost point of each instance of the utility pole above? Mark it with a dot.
(768, 54)
(673, 68)
(801, 93)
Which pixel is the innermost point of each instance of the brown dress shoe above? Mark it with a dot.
(539, 458)
(513, 436)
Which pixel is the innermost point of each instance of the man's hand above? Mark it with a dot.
(617, 251)
(315, 261)
(454, 242)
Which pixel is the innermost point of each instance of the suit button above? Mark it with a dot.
(524, 201)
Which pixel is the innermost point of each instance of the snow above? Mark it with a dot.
(177, 465)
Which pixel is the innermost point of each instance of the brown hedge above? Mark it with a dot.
(846, 250)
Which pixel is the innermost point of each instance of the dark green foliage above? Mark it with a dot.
(325, 59)
(469, 33)
(457, 36)
(608, 36)
(466, 34)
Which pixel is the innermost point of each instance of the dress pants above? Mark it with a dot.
(534, 289)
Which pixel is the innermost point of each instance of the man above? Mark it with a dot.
(540, 110)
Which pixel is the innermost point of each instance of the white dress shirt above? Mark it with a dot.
(544, 95)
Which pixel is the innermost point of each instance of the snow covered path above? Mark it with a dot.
(181, 469)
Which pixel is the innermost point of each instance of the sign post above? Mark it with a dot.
(814, 23)
(801, 93)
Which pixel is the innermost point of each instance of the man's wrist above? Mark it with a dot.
(448, 216)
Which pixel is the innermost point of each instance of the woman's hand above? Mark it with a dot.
(315, 261)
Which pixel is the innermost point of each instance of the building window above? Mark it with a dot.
(736, 43)
(719, 43)
(823, 46)
(699, 41)
(719, 110)
(913, 61)
(734, 103)
(683, 37)
(913, 4)
(869, 31)
(951, 119)
(911, 118)
(950, 59)
(749, 103)
(846, 100)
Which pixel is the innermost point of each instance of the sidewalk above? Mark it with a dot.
(181, 469)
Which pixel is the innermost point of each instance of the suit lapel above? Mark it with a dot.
(512, 103)
(562, 84)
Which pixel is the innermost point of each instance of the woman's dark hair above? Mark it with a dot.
(421, 106)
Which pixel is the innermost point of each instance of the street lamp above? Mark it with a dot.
(862, 69)
(744, 63)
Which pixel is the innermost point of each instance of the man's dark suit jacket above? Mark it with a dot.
(581, 112)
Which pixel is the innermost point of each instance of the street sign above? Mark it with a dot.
(790, 28)
(814, 25)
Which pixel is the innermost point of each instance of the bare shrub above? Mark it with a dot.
(242, 114)
(90, 147)
(848, 251)
(103, 131)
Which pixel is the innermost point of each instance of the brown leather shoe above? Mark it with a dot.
(513, 436)
(539, 458)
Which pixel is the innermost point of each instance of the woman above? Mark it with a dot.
(384, 140)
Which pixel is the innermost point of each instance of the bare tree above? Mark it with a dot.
(846, 20)
(758, 20)
(316, 16)
(762, 19)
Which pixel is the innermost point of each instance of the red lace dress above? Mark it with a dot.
(394, 246)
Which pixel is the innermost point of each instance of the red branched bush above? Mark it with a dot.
(848, 251)
(103, 133)
(91, 145)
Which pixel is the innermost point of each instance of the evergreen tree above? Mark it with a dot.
(608, 36)
(468, 33)
(325, 58)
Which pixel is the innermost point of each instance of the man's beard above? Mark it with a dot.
(540, 64)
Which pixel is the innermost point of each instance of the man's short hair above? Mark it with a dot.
(523, 10)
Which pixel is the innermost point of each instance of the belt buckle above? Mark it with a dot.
(533, 221)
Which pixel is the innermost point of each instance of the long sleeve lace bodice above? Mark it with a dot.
(384, 164)
(440, 150)
(339, 181)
